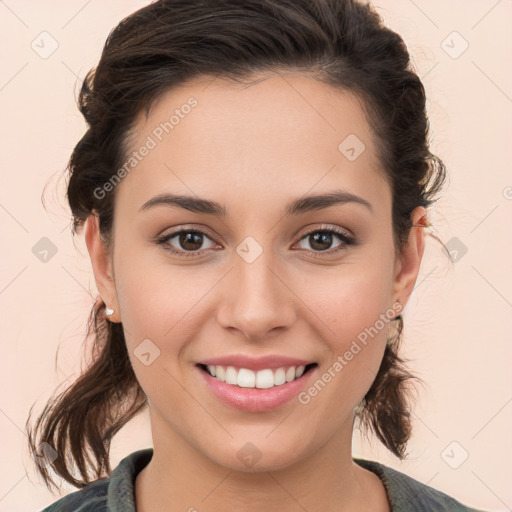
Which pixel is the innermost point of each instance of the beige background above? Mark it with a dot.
(457, 322)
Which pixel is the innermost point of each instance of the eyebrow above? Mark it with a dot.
(297, 207)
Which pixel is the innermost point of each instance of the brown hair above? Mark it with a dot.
(161, 46)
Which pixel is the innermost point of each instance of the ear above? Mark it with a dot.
(101, 261)
(408, 262)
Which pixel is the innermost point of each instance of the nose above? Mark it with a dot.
(258, 298)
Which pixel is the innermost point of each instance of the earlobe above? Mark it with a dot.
(101, 261)
(408, 264)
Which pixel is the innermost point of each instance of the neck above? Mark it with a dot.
(180, 478)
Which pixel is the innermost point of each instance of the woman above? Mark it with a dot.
(253, 186)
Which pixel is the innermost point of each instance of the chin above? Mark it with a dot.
(256, 456)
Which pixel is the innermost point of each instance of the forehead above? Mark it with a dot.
(282, 134)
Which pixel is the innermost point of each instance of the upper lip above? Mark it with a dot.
(256, 363)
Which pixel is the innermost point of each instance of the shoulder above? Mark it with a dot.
(93, 497)
(405, 493)
(116, 492)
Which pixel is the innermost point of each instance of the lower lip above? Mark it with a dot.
(255, 399)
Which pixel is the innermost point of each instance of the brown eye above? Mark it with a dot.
(321, 240)
(188, 242)
(191, 240)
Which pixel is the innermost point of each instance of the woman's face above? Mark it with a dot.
(262, 281)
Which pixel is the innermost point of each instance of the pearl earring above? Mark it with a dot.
(109, 311)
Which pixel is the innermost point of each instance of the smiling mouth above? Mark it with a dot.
(261, 379)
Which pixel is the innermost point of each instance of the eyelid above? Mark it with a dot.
(346, 238)
(327, 227)
(163, 240)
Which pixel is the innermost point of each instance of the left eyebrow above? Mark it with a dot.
(296, 207)
(321, 201)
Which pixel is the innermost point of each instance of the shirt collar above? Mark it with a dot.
(121, 489)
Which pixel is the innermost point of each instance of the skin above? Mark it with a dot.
(254, 149)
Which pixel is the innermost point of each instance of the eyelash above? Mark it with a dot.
(345, 238)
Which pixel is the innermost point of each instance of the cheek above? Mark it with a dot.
(157, 312)
(352, 315)
(157, 297)
(340, 305)
(153, 294)
(347, 299)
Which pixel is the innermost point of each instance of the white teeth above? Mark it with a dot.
(231, 375)
(246, 378)
(261, 379)
(220, 373)
(279, 377)
(265, 379)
